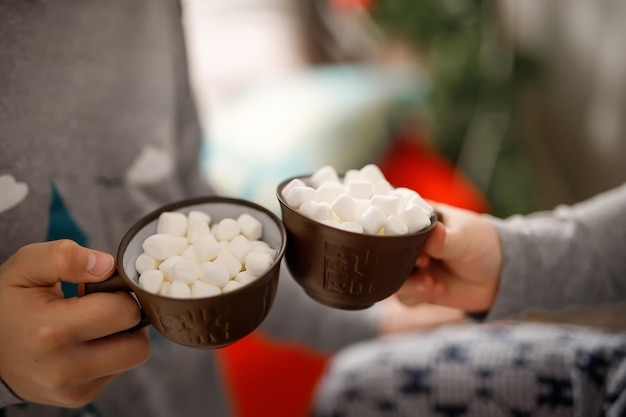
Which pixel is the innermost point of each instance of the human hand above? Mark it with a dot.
(399, 318)
(58, 351)
(460, 265)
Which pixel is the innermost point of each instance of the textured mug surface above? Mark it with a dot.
(344, 269)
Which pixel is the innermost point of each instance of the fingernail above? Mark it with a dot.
(99, 263)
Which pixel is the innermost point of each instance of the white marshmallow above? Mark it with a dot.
(165, 286)
(359, 189)
(231, 286)
(258, 263)
(372, 220)
(145, 263)
(172, 223)
(167, 265)
(195, 216)
(207, 248)
(178, 289)
(296, 182)
(265, 249)
(316, 211)
(227, 229)
(345, 208)
(196, 230)
(372, 173)
(151, 281)
(419, 201)
(351, 227)
(298, 195)
(201, 289)
(190, 254)
(328, 191)
(239, 247)
(389, 204)
(245, 277)
(161, 246)
(415, 218)
(351, 175)
(381, 188)
(229, 262)
(214, 274)
(250, 227)
(395, 226)
(332, 223)
(405, 194)
(185, 271)
(362, 205)
(324, 174)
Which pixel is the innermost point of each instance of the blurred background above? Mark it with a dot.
(496, 106)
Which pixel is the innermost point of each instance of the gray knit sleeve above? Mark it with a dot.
(7, 397)
(574, 256)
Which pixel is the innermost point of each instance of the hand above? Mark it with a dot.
(460, 265)
(399, 318)
(60, 351)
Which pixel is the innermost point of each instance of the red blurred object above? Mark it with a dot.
(349, 5)
(270, 379)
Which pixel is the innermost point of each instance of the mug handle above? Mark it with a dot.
(115, 283)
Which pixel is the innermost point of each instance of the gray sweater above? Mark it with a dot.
(95, 108)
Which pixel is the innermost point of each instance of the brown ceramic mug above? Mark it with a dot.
(209, 322)
(343, 269)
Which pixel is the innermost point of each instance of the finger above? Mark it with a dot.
(46, 264)
(416, 290)
(79, 395)
(111, 355)
(96, 315)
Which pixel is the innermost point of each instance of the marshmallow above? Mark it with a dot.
(167, 265)
(196, 216)
(258, 263)
(172, 223)
(201, 289)
(395, 226)
(151, 281)
(372, 220)
(227, 229)
(351, 175)
(415, 218)
(351, 227)
(178, 289)
(419, 201)
(265, 249)
(190, 254)
(239, 247)
(229, 262)
(372, 173)
(214, 274)
(381, 187)
(185, 271)
(207, 248)
(332, 223)
(298, 195)
(345, 207)
(360, 189)
(405, 194)
(296, 182)
(324, 174)
(197, 230)
(389, 204)
(231, 286)
(165, 286)
(161, 246)
(145, 263)
(250, 227)
(245, 277)
(328, 191)
(316, 211)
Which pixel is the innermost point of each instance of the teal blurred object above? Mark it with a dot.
(341, 116)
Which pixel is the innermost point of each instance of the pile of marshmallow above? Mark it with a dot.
(189, 257)
(362, 202)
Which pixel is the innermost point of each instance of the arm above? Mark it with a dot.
(575, 256)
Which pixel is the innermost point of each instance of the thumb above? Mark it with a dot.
(445, 242)
(46, 264)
